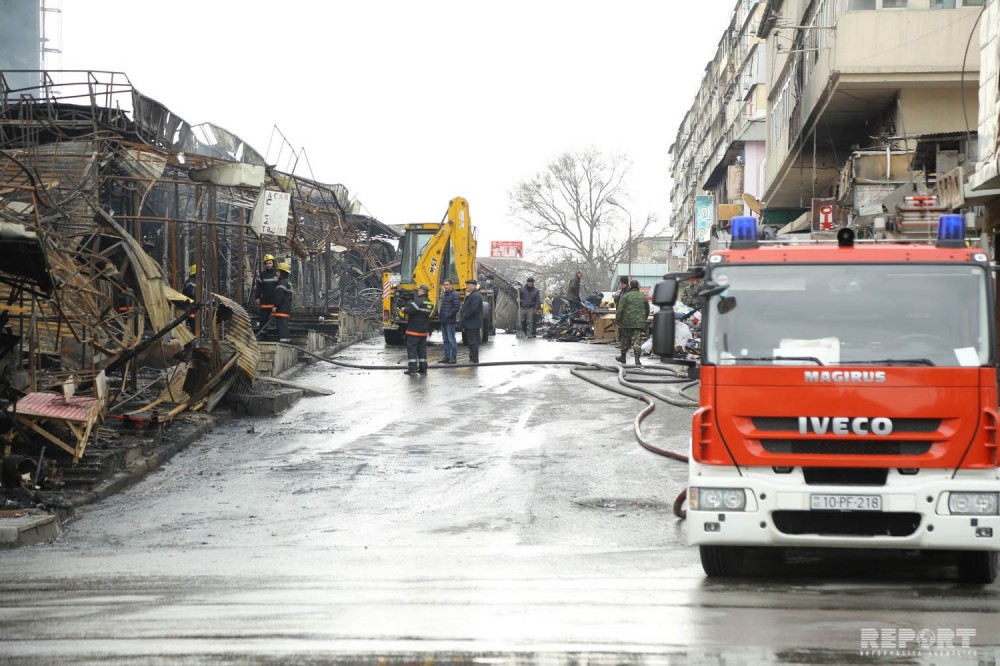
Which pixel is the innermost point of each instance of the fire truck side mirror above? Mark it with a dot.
(727, 304)
(663, 332)
(665, 293)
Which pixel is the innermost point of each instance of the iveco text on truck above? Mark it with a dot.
(848, 398)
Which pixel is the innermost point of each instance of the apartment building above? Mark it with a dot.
(984, 183)
(718, 153)
(870, 100)
(858, 103)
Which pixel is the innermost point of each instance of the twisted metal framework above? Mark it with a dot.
(112, 186)
(97, 143)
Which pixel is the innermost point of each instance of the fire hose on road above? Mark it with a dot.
(629, 387)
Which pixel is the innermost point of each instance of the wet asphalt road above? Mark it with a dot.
(491, 514)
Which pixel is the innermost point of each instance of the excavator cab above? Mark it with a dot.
(414, 242)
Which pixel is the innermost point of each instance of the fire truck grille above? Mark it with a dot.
(791, 424)
(845, 447)
(845, 476)
(846, 523)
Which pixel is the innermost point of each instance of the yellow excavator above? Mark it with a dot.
(430, 253)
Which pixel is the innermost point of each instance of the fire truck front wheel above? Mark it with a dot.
(977, 566)
(722, 561)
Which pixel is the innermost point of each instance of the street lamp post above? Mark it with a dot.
(611, 200)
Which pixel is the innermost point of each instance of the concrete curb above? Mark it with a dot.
(25, 527)
(277, 400)
(136, 470)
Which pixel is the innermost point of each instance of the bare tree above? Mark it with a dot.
(565, 209)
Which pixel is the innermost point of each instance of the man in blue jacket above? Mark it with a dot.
(471, 319)
(448, 313)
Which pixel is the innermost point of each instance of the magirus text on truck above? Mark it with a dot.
(848, 397)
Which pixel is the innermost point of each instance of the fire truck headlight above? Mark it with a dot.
(974, 504)
(717, 499)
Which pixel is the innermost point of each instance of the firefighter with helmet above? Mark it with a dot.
(418, 312)
(264, 294)
(283, 302)
(189, 290)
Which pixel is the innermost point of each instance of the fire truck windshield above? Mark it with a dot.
(860, 314)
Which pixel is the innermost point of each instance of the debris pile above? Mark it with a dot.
(108, 202)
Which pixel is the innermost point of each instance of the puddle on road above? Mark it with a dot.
(618, 503)
(498, 525)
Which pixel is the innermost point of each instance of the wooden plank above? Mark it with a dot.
(47, 435)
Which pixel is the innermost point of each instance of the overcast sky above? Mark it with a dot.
(408, 103)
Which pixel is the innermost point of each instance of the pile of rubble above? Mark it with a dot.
(104, 213)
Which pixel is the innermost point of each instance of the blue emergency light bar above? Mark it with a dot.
(743, 230)
(951, 231)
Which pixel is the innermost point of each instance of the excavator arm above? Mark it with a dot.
(463, 241)
(456, 232)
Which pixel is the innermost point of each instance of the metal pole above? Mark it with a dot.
(611, 200)
(629, 244)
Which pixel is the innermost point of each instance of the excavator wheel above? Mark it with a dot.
(395, 336)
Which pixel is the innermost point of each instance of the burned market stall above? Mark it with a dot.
(109, 204)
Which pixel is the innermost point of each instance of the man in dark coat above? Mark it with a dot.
(448, 309)
(529, 300)
(622, 288)
(189, 290)
(418, 326)
(471, 319)
(573, 291)
(631, 315)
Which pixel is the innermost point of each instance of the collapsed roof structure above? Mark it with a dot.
(107, 202)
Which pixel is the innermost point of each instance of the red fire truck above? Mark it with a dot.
(848, 398)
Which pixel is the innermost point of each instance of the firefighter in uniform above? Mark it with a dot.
(267, 280)
(418, 326)
(283, 302)
(189, 291)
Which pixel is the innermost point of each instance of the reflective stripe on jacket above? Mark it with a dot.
(418, 314)
(267, 282)
(282, 297)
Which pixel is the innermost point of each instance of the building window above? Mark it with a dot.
(863, 5)
(951, 4)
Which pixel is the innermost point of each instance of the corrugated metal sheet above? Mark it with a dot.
(54, 406)
(156, 293)
(239, 331)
